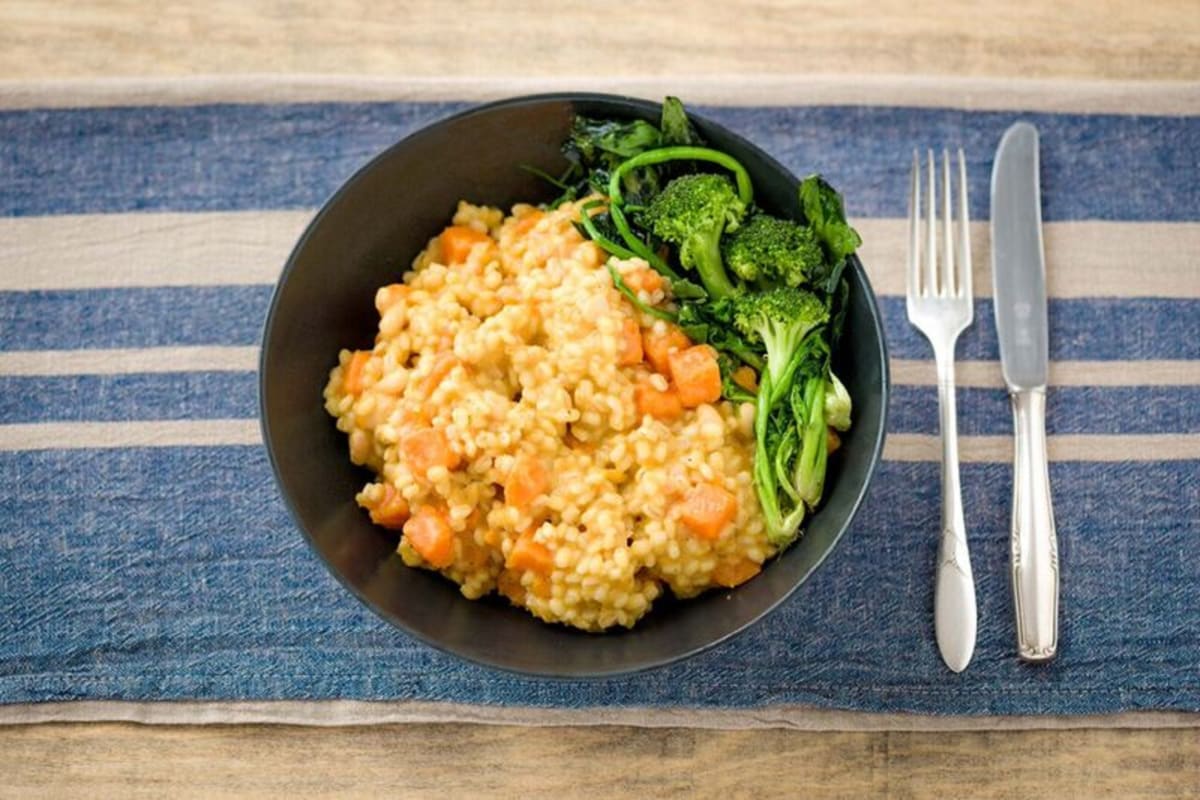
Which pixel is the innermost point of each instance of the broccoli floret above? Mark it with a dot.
(780, 318)
(773, 250)
(692, 213)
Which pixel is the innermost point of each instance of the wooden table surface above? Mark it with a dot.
(1084, 39)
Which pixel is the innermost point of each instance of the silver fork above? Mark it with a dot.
(939, 306)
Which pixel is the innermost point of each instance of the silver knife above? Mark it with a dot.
(1019, 298)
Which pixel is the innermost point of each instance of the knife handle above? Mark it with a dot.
(1034, 543)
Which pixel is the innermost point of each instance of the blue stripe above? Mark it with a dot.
(1093, 166)
(160, 574)
(140, 317)
(1091, 329)
(176, 395)
(1070, 409)
(226, 157)
(232, 395)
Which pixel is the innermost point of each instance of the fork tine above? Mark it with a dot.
(964, 230)
(931, 278)
(948, 263)
(914, 225)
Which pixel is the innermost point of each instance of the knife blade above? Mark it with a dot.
(1018, 261)
(1019, 300)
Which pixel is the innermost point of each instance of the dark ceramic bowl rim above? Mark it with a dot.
(648, 664)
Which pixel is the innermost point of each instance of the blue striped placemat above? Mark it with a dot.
(145, 554)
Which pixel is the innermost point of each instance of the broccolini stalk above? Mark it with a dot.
(789, 323)
(808, 402)
(632, 297)
(638, 248)
(663, 154)
(771, 481)
(596, 235)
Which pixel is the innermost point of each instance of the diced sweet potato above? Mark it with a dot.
(525, 224)
(508, 583)
(707, 509)
(644, 280)
(663, 406)
(530, 555)
(392, 510)
(631, 343)
(658, 347)
(428, 532)
(527, 481)
(696, 375)
(425, 448)
(457, 242)
(443, 364)
(352, 379)
(746, 378)
(735, 573)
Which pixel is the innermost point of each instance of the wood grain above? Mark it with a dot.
(1157, 39)
(108, 760)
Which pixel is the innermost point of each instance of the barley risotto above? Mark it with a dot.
(517, 410)
(623, 392)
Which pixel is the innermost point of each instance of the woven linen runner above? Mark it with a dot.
(149, 570)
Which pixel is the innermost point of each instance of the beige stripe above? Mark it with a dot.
(987, 375)
(121, 362)
(324, 713)
(172, 249)
(1084, 259)
(1070, 447)
(1125, 97)
(900, 446)
(168, 433)
(905, 372)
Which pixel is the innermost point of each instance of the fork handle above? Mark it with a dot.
(1034, 543)
(954, 589)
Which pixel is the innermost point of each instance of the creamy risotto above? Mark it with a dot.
(532, 434)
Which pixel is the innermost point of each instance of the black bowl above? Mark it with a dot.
(366, 236)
